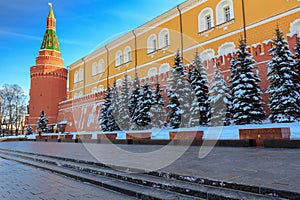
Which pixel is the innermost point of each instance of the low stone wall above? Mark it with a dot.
(138, 135)
(258, 135)
(66, 138)
(83, 138)
(186, 135)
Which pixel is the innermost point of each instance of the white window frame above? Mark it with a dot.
(81, 75)
(118, 82)
(94, 69)
(226, 48)
(152, 72)
(75, 96)
(164, 68)
(119, 60)
(100, 67)
(164, 38)
(94, 90)
(207, 54)
(151, 44)
(220, 9)
(127, 54)
(76, 77)
(100, 88)
(202, 19)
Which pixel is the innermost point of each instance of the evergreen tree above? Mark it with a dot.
(297, 59)
(234, 73)
(198, 81)
(133, 100)
(181, 93)
(246, 93)
(283, 88)
(157, 111)
(195, 113)
(175, 110)
(218, 114)
(115, 102)
(107, 120)
(123, 115)
(144, 103)
(28, 130)
(42, 122)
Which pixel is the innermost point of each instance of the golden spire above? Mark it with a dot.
(50, 15)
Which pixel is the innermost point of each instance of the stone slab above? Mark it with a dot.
(258, 135)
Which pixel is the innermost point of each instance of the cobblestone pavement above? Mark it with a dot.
(273, 168)
(19, 181)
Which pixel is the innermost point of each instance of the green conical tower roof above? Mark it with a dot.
(50, 41)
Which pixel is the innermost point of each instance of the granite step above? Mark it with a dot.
(153, 180)
(124, 187)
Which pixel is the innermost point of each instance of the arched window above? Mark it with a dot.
(151, 43)
(206, 19)
(94, 69)
(224, 11)
(164, 68)
(100, 68)
(164, 38)
(127, 54)
(152, 72)
(80, 94)
(118, 82)
(94, 90)
(81, 75)
(76, 77)
(75, 96)
(226, 48)
(207, 54)
(118, 58)
(100, 88)
(295, 27)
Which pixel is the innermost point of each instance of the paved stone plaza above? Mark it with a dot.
(272, 168)
(24, 182)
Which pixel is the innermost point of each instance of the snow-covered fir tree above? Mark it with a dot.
(198, 80)
(123, 119)
(29, 130)
(181, 93)
(157, 111)
(283, 88)
(234, 73)
(107, 121)
(42, 122)
(176, 111)
(115, 102)
(246, 93)
(133, 100)
(297, 58)
(195, 113)
(142, 113)
(218, 114)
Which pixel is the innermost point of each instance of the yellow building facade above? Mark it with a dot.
(210, 27)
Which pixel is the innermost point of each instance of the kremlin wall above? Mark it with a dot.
(210, 27)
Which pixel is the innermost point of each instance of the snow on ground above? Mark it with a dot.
(224, 133)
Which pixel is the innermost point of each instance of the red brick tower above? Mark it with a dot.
(48, 78)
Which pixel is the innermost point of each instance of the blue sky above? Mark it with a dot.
(81, 26)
